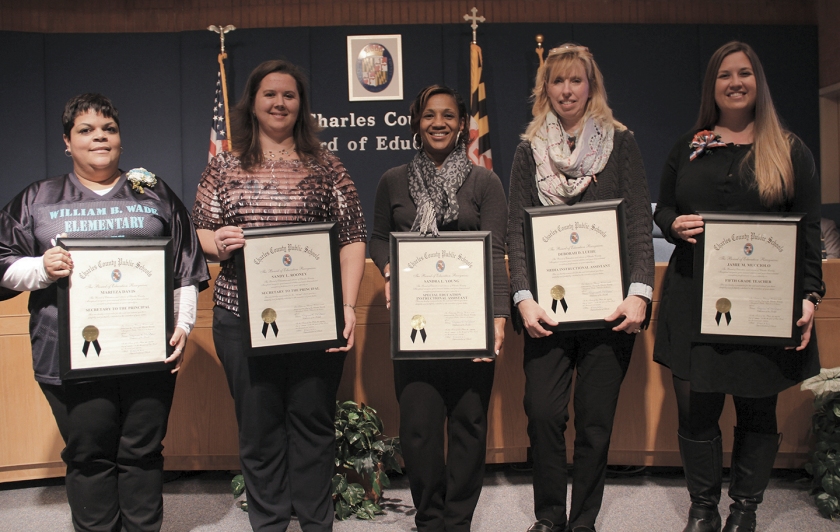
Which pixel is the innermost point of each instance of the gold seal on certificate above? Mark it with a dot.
(291, 272)
(269, 317)
(441, 290)
(116, 305)
(748, 283)
(577, 261)
(91, 335)
(418, 324)
(723, 307)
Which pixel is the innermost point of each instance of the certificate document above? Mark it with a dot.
(749, 287)
(115, 309)
(441, 295)
(290, 289)
(577, 261)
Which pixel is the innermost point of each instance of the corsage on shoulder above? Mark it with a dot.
(704, 141)
(139, 178)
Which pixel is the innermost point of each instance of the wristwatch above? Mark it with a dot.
(814, 298)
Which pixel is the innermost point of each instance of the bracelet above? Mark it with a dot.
(351, 306)
(814, 298)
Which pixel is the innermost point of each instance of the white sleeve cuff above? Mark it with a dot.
(26, 274)
(185, 303)
(521, 296)
(641, 289)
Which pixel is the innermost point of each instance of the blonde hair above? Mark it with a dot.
(769, 158)
(559, 62)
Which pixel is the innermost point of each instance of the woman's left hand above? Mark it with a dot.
(179, 340)
(633, 308)
(806, 322)
(499, 331)
(349, 330)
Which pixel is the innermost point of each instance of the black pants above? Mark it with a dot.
(700, 412)
(601, 359)
(445, 490)
(285, 408)
(112, 430)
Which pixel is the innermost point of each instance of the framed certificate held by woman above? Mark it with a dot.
(442, 293)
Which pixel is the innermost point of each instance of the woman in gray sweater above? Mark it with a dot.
(440, 189)
(574, 151)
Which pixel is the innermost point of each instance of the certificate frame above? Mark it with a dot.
(286, 239)
(405, 247)
(161, 249)
(562, 218)
(791, 278)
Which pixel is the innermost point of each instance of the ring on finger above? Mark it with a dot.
(224, 246)
(637, 331)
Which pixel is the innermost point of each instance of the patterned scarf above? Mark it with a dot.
(563, 174)
(433, 189)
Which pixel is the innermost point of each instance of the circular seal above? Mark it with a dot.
(418, 322)
(558, 292)
(116, 275)
(287, 260)
(269, 315)
(574, 237)
(374, 67)
(90, 333)
(723, 305)
(440, 266)
(748, 249)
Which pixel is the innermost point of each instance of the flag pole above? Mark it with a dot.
(539, 38)
(221, 31)
(478, 145)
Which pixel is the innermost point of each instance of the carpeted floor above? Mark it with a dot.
(652, 501)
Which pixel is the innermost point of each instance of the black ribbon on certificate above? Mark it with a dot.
(558, 293)
(91, 336)
(269, 317)
(418, 324)
(723, 307)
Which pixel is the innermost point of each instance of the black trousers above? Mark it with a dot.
(601, 359)
(285, 408)
(433, 395)
(112, 430)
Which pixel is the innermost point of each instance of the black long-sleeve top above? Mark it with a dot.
(481, 207)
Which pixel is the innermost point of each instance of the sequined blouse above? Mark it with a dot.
(275, 193)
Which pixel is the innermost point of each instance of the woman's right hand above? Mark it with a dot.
(57, 263)
(533, 317)
(686, 226)
(388, 286)
(228, 239)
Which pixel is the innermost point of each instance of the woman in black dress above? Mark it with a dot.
(736, 158)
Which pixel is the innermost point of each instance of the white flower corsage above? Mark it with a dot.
(139, 178)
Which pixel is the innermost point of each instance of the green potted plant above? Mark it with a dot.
(824, 465)
(363, 452)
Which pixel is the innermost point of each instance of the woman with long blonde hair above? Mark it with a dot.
(736, 158)
(575, 151)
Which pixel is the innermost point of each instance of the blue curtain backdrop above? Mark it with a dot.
(163, 85)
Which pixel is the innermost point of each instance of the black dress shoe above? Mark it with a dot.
(544, 525)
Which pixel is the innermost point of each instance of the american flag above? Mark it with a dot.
(219, 132)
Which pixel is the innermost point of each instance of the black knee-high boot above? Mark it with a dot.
(753, 455)
(703, 471)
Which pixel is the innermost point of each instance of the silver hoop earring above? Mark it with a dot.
(67, 152)
(122, 149)
(458, 139)
(417, 141)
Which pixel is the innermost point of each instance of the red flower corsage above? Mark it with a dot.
(703, 141)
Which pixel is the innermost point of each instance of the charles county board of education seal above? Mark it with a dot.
(374, 67)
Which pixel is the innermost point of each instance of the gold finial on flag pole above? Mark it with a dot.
(221, 31)
(539, 38)
(475, 20)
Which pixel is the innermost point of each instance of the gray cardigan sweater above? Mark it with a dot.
(622, 177)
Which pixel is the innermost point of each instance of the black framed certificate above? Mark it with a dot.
(748, 272)
(115, 310)
(289, 282)
(442, 295)
(578, 261)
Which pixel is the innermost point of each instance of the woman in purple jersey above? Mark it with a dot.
(112, 426)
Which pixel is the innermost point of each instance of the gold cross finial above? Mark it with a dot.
(475, 20)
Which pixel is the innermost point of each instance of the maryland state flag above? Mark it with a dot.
(220, 130)
(478, 149)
